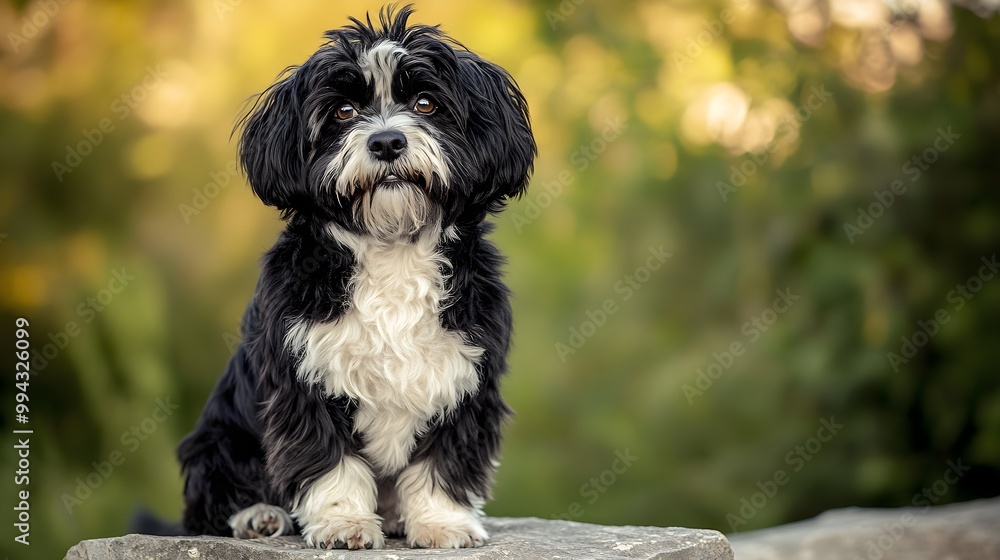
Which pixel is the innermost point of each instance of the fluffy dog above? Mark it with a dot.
(364, 400)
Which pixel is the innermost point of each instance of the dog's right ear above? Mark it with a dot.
(272, 147)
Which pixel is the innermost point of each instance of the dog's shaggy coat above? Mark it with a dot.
(364, 397)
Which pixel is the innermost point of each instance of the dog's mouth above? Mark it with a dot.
(395, 180)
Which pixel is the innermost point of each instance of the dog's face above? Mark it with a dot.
(384, 131)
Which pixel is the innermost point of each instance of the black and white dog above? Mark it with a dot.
(364, 398)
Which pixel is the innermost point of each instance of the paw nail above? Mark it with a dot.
(339, 544)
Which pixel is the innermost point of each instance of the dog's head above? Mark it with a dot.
(386, 130)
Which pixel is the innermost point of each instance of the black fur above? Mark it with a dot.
(264, 435)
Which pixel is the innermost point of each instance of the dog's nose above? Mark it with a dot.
(387, 145)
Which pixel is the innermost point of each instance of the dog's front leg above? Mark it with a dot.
(313, 468)
(432, 519)
(338, 509)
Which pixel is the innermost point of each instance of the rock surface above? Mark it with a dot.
(511, 539)
(966, 531)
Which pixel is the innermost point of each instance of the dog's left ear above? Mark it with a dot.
(499, 130)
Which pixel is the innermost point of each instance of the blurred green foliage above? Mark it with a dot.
(695, 88)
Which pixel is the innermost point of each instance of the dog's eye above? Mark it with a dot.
(424, 105)
(346, 111)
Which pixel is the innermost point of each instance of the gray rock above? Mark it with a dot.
(511, 539)
(966, 531)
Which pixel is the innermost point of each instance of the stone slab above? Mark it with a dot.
(965, 531)
(511, 539)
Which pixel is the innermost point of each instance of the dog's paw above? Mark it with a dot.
(345, 532)
(466, 534)
(261, 520)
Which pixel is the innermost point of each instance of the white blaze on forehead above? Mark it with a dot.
(379, 65)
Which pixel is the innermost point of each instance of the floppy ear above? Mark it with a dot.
(272, 144)
(499, 130)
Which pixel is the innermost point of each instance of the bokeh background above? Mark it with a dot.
(756, 143)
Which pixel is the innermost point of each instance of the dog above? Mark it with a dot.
(364, 398)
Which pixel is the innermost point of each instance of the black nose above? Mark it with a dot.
(387, 145)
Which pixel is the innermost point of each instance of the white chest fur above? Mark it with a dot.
(389, 351)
